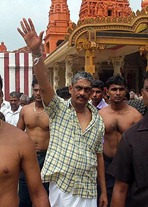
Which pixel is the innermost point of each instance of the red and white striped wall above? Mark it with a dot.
(17, 73)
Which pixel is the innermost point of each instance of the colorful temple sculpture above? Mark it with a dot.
(109, 38)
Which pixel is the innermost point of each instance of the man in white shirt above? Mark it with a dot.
(12, 114)
(4, 105)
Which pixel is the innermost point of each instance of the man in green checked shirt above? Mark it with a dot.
(74, 157)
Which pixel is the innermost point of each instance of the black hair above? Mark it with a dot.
(127, 96)
(98, 84)
(34, 82)
(1, 82)
(63, 92)
(117, 80)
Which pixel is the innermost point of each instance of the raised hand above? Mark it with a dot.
(30, 36)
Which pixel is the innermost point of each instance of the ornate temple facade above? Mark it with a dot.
(108, 39)
(106, 8)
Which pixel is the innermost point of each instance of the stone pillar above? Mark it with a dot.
(89, 62)
(56, 77)
(117, 63)
(68, 70)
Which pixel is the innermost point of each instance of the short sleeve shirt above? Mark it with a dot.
(71, 159)
(130, 164)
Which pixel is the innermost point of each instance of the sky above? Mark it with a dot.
(12, 11)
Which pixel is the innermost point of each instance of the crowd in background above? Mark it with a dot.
(12, 107)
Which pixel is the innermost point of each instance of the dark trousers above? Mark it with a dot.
(23, 189)
(110, 180)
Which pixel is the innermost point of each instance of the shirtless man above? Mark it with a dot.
(117, 116)
(34, 120)
(16, 156)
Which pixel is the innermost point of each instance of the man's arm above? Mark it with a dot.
(119, 194)
(101, 179)
(21, 123)
(30, 166)
(34, 42)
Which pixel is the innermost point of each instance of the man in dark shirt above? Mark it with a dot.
(130, 164)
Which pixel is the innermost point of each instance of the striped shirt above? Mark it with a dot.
(71, 159)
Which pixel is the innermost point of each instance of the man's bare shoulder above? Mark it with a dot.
(13, 133)
(104, 110)
(134, 112)
(27, 107)
(27, 110)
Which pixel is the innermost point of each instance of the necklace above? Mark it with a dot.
(39, 112)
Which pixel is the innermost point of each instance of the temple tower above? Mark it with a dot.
(144, 4)
(59, 22)
(3, 48)
(104, 8)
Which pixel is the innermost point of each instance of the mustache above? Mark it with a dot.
(81, 97)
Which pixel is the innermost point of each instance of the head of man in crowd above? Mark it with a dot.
(132, 95)
(36, 91)
(24, 100)
(14, 99)
(116, 88)
(144, 90)
(63, 93)
(81, 88)
(97, 92)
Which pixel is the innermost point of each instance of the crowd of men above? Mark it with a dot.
(82, 146)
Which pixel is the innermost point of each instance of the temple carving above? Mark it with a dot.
(144, 4)
(99, 8)
(109, 38)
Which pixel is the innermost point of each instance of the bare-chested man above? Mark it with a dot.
(117, 116)
(15, 156)
(34, 120)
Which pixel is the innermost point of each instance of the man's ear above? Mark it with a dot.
(70, 88)
(107, 92)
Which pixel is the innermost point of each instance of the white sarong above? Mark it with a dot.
(58, 198)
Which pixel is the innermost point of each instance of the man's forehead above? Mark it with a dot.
(83, 82)
(13, 98)
(36, 86)
(146, 82)
(96, 89)
(117, 86)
